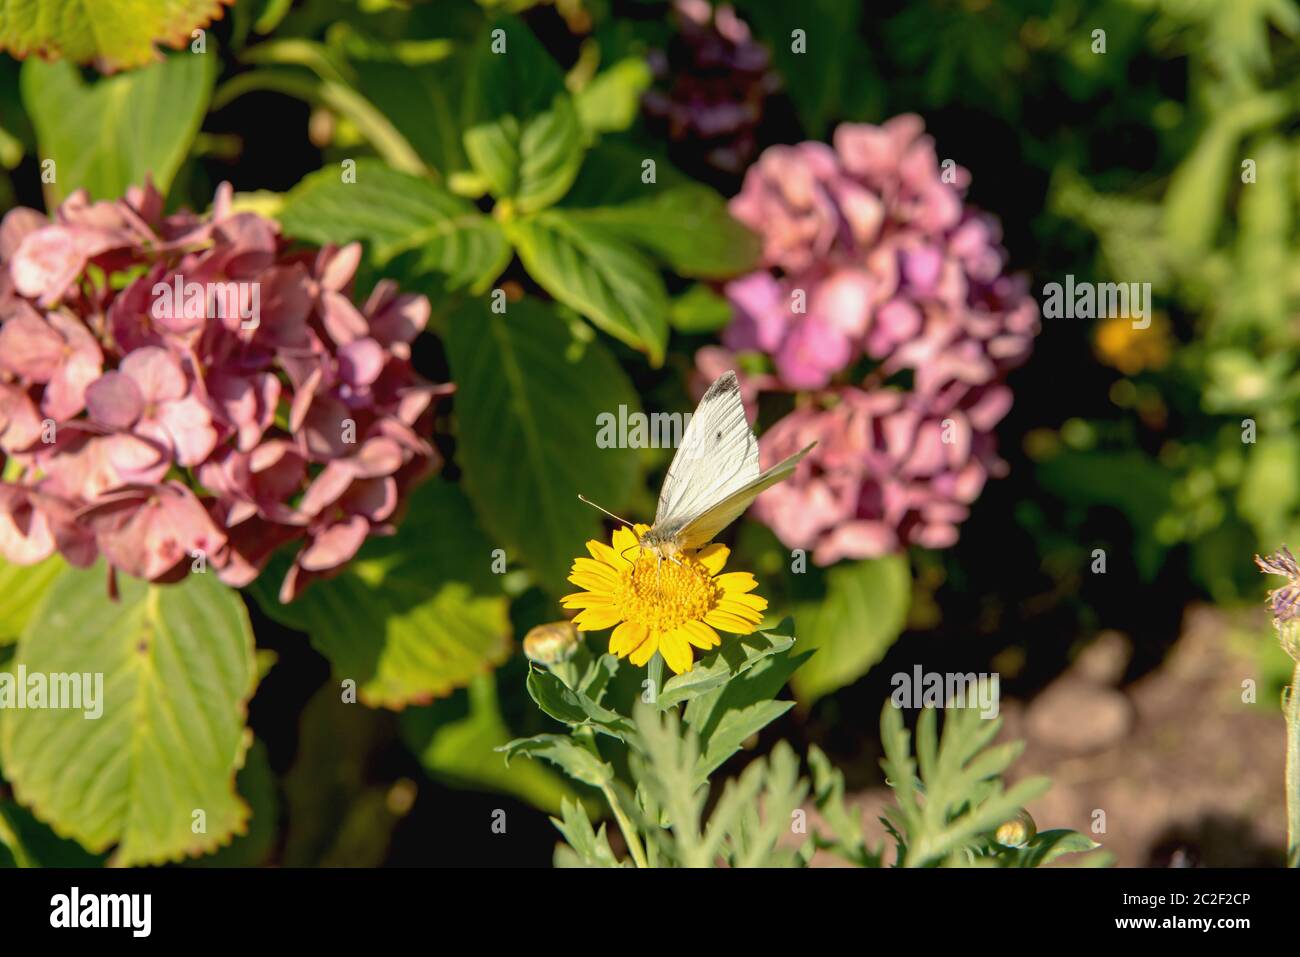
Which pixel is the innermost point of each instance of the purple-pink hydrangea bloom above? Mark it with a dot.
(711, 83)
(162, 431)
(873, 261)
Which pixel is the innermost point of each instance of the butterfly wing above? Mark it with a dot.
(700, 530)
(718, 457)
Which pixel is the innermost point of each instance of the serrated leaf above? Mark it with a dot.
(111, 134)
(725, 717)
(686, 227)
(573, 707)
(562, 751)
(526, 139)
(413, 616)
(396, 213)
(852, 624)
(590, 847)
(178, 671)
(715, 669)
(256, 784)
(22, 588)
(612, 100)
(529, 394)
(31, 843)
(530, 162)
(115, 34)
(607, 280)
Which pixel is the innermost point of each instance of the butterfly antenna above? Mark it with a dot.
(584, 498)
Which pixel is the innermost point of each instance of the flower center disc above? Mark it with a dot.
(664, 595)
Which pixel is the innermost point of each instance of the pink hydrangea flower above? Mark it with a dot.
(711, 83)
(872, 263)
(170, 419)
(889, 470)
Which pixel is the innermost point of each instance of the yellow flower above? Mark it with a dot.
(660, 604)
(1130, 350)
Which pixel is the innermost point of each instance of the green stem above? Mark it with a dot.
(631, 837)
(655, 672)
(1292, 708)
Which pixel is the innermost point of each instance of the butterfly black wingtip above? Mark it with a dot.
(723, 384)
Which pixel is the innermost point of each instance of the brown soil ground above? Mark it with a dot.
(1185, 772)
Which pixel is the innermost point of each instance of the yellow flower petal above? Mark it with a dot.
(597, 619)
(586, 599)
(589, 566)
(728, 622)
(736, 582)
(593, 584)
(676, 650)
(626, 637)
(701, 635)
(607, 556)
(713, 557)
(623, 540)
(645, 651)
(756, 602)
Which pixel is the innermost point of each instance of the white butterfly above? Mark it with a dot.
(713, 477)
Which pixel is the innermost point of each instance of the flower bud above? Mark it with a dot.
(1017, 832)
(552, 643)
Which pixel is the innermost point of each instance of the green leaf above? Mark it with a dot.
(529, 395)
(562, 751)
(396, 213)
(1047, 846)
(573, 707)
(756, 841)
(22, 587)
(611, 102)
(531, 163)
(666, 768)
(687, 227)
(831, 31)
(613, 174)
(338, 815)
(853, 624)
(699, 310)
(845, 825)
(462, 751)
(415, 615)
(960, 777)
(732, 658)
(111, 134)
(256, 783)
(605, 279)
(1194, 202)
(116, 34)
(526, 140)
(589, 847)
(178, 672)
(425, 102)
(727, 716)
(33, 844)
